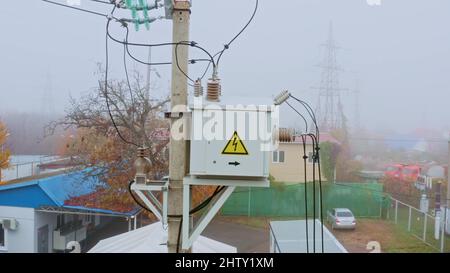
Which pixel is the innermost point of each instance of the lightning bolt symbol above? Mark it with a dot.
(235, 143)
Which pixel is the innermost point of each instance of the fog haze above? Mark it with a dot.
(396, 54)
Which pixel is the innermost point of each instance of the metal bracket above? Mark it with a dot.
(188, 236)
(173, 115)
(149, 199)
(216, 203)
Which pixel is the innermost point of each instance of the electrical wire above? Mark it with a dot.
(316, 160)
(106, 89)
(199, 207)
(305, 157)
(227, 46)
(131, 55)
(208, 66)
(179, 235)
(127, 77)
(311, 114)
(206, 71)
(184, 43)
(314, 195)
(178, 64)
(317, 150)
(103, 2)
(193, 44)
(122, 21)
(79, 9)
(306, 123)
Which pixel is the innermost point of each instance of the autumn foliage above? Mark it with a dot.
(4, 153)
(105, 148)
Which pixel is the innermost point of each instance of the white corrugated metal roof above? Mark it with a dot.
(290, 237)
(152, 239)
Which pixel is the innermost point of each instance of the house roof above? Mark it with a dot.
(323, 137)
(152, 239)
(292, 237)
(54, 191)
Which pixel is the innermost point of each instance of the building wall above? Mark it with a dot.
(22, 239)
(292, 169)
(42, 219)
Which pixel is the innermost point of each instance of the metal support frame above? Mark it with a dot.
(188, 236)
(145, 193)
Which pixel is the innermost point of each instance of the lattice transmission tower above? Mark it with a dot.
(329, 107)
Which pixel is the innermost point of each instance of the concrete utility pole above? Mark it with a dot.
(178, 157)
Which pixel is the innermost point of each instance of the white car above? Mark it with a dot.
(340, 218)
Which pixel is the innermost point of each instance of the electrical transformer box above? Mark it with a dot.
(231, 142)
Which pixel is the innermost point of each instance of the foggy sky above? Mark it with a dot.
(398, 52)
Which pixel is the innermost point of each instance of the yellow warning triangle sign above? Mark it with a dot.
(235, 146)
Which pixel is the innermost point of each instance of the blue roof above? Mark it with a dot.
(52, 191)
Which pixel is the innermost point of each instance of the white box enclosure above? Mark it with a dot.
(229, 146)
(232, 141)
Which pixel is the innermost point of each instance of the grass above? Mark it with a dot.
(404, 242)
(393, 238)
(417, 227)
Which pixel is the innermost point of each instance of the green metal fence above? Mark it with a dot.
(363, 199)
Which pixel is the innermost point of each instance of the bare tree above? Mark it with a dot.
(107, 137)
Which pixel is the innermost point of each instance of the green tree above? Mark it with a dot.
(328, 156)
(346, 168)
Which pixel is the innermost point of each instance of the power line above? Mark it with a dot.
(126, 74)
(103, 2)
(79, 9)
(178, 65)
(106, 88)
(227, 46)
(183, 43)
(317, 155)
(192, 61)
(316, 159)
(305, 157)
(306, 123)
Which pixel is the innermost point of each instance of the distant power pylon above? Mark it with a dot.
(329, 106)
(357, 91)
(47, 103)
